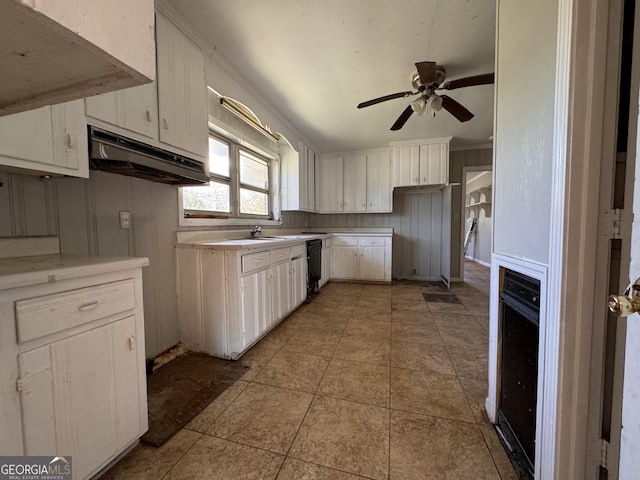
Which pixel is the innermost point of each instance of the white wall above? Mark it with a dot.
(525, 86)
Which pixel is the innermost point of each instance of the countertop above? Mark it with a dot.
(270, 239)
(33, 270)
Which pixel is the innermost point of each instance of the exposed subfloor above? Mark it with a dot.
(366, 381)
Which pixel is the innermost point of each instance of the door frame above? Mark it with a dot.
(578, 130)
(463, 213)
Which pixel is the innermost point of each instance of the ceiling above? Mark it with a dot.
(315, 60)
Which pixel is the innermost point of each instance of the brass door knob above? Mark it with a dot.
(625, 305)
(622, 306)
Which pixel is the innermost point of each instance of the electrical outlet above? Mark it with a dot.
(414, 271)
(125, 219)
(369, 223)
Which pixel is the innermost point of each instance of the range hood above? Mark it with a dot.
(113, 153)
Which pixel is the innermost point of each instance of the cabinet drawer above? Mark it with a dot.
(280, 254)
(255, 261)
(345, 241)
(42, 316)
(372, 242)
(299, 250)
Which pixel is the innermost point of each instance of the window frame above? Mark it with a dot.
(234, 217)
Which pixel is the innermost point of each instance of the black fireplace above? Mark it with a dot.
(520, 321)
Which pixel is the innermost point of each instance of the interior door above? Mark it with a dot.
(614, 246)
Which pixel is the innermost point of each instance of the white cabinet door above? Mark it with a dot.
(47, 140)
(344, 262)
(256, 313)
(299, 280)
(133, 109)
(281, 292)
(355, 183)
(379, 190)
(406, 165)
(310, 191)
(82, 395)
(331, 185)
(372, 265)
(326, 262)
(182, 90)
(434, 164)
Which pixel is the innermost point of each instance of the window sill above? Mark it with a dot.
(193, 222)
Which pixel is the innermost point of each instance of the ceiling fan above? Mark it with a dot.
(429, 78)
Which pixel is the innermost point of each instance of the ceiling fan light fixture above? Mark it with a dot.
(435, 103)
(419, 105)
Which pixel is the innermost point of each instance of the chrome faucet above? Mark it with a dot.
(256, 232)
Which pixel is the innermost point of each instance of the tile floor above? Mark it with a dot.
(366, 381)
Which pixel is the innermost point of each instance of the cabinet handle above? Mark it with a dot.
(165, 124)
(87, 307)
(147, 115)
(68, 141)
(132, 343)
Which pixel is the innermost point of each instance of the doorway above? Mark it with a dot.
(477, 223)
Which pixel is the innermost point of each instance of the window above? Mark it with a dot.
(239, 186)
(254, 185)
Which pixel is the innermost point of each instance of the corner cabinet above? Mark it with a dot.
(421, 162)
(228, 298)
(48, 140)
(365, 258)
(73, 367)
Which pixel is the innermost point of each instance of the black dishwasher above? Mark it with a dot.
(314, 266)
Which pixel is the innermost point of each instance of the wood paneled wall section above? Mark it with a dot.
(417, 230)
(85, 216)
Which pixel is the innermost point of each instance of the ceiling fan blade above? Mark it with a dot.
(456, 109)
(402, 119)
(484, 79)
(426, 72)
(392, 96)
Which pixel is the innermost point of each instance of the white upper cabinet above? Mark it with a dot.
(135, 110)
(331, 185)
(55, 51)
(379, 190)
(421, 162)
(48, 140)
(182, 90)
(355, 183)
(298, 178)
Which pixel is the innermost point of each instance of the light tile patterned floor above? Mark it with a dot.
(367, 381)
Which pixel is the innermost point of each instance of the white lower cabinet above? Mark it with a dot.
(255, 302)
(72, 364)
(299, 280)
(229, 298)
(281, 293)
(361, 258)
(326, 262)
(344, 259)
(88, 383)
